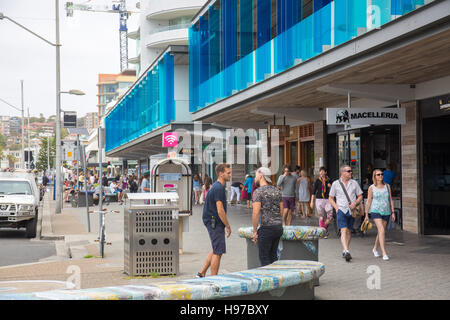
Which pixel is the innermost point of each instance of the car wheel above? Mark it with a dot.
(31, 228)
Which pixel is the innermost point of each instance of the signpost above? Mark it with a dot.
(70, 119)
(365, 116)
(101, 145)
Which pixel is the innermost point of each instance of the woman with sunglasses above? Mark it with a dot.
(381, 208)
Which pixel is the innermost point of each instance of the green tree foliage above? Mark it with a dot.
(3, 141)
(12, 160)
(64, 133)
(3, 144)
(42, 160)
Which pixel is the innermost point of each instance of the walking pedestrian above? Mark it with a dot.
(206, 187)
(249, 185)
(124, 182)
(381, 208)
(197, 188)
(343, 189)
(267, 204)
(389, 175)
(287, 183)
(297, 171)
(141, 178)
(145, 185)
(236, 190)
(304, 194)
(133, 184)
(320, 194)
(215, 220)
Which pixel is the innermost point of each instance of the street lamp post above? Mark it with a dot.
(23, 128)
(58, 114)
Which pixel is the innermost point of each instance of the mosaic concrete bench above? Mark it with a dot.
(297, 243)
(287, 279)
(111, 197)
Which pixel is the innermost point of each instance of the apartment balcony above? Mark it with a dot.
(134, 35)
(170, 35)
(135, 60)
(167, 10)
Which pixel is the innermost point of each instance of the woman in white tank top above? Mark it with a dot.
(381, 208)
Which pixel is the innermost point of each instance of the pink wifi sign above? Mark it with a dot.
(170, 139)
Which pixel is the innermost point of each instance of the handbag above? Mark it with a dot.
(244, 194)
(358, 212)
(391, 224)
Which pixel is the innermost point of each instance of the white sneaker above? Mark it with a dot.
(375, 253)
(385, 258)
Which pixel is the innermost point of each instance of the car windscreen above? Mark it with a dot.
(15, 187)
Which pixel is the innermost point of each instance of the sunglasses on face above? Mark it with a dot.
(379, 174)
(349, 171)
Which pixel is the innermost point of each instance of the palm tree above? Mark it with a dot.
(12, 160)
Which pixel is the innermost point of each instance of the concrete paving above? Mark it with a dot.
(418, 268)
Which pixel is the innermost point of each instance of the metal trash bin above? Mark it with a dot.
(151, 234)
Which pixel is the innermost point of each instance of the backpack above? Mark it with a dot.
(133, 187)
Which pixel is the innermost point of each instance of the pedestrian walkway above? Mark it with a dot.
(418, 268)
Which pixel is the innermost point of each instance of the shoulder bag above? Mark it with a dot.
(358, 212)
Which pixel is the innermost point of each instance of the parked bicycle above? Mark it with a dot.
(102, 236)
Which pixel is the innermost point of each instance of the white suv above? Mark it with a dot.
(19, 202)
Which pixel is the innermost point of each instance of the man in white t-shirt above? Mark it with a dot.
(343, 208)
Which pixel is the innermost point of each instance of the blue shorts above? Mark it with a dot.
(345, 220)
(375, 215)
(217, 237)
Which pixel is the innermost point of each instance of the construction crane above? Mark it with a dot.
(118, 6)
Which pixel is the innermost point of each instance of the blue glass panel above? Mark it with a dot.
(306, 38)
(214, 41)
(263, 61)
(349, 15)
(194, 62)
(319, 4)
(263, 22)
(297, 39)
(246, 27)
(229, 30)
(401, 7)
(322, 28)
(149, 104)
(381, 12)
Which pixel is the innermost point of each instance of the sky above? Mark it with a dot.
(90, 45)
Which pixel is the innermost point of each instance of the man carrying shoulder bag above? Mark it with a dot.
(348, 196)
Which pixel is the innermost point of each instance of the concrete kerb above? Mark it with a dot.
(46, 229)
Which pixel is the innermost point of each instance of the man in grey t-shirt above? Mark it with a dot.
(287, 182)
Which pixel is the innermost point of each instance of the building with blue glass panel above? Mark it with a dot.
(156, 99)
(283, 63)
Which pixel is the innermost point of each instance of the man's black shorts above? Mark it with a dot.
(217, 237)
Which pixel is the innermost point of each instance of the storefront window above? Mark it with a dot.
(436, 175)
(349, 152)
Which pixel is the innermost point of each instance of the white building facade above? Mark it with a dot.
(162, 23)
